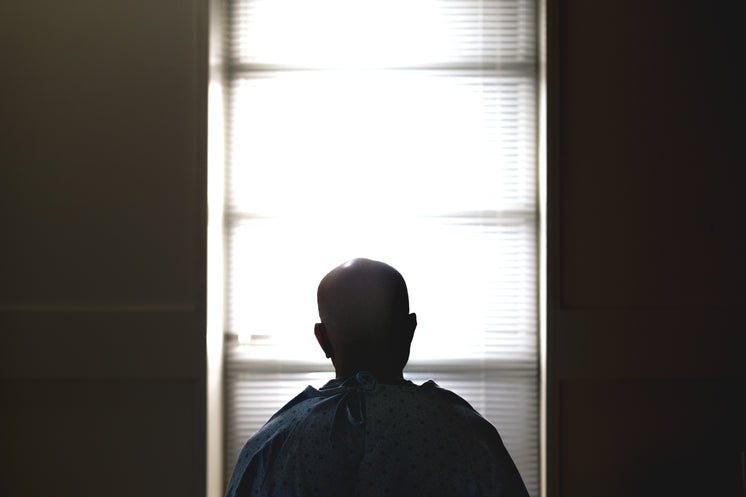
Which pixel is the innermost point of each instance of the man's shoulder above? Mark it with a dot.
(308, 394)
(284, 421)
(452, 409)
(444, 395)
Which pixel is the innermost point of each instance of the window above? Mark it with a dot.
(403, 131)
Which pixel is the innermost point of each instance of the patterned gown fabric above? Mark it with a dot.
(360, 438)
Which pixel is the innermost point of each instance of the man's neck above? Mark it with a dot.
(387, 378)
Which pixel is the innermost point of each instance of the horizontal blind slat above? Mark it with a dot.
(366, 32)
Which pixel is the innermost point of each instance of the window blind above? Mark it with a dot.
(403, 131)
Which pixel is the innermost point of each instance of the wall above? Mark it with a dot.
(102, 247)
(646, 317)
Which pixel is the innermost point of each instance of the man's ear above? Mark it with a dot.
(411, 325)
(323, 338)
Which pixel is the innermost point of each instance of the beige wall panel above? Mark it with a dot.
(699, 342)
(100, 438)
(102, 247)
(116, 344)
(652, 438)
(102, 145)
(646, 331)
(651, 174)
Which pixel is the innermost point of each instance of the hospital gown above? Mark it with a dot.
(358, 437)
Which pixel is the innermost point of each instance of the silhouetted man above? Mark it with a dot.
(369, 432)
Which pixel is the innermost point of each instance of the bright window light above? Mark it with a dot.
(354, 135)
(397, 130)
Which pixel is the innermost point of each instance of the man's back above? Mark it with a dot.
(363, 438)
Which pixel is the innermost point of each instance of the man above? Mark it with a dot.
(369, 432)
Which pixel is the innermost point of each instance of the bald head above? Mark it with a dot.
(361, 300)
(365, 320)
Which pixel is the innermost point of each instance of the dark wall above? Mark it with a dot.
(102, 247)
(102, 160)
(647, 322)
